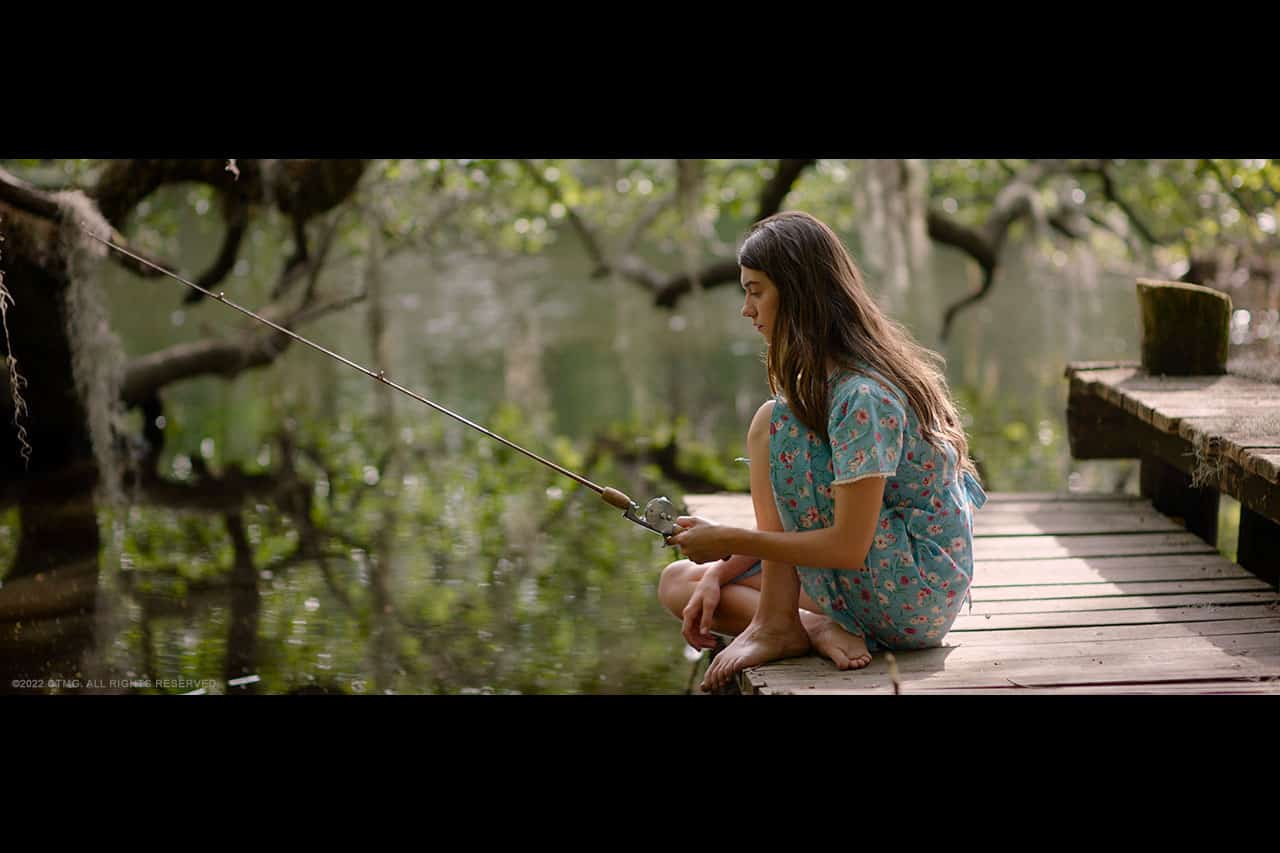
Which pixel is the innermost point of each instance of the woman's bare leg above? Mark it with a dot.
(739, 601)
(845, 650)
(775, 631)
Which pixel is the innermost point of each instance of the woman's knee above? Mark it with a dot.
(676, 584)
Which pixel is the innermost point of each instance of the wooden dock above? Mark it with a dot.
(1073, 593)
(1198, 437)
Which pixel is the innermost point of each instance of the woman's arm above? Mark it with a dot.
(844, 545)
(726, 571)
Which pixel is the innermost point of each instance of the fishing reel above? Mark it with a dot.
(659, 515)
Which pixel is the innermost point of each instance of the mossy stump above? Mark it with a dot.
(1184, 328)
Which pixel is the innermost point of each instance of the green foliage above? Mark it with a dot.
(523, 208)
(1228, 527)
(1020, 446)
(1186, 204)
(8, 536)
(693, 457)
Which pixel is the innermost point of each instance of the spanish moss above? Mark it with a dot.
(892, 231)
(97, 355)
(16, 380)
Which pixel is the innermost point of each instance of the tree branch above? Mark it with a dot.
(665, 457)
(1109, 190)
(320, 256)
(301, 189)
(776, 190)
(1069, 223)
(145, 375)
(235, 213)
(124, 183)
(1124, 236)
(971, 241)
(988, 277)
(719, 272)
(667, 289)
(297, 263)
(1014, 201)
(208, 493)
(585, 233)
(44, 205)
(25, 196)
(320, 309)
(646, 219)
(1230, 189)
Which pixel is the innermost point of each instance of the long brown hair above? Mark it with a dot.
(825, 314)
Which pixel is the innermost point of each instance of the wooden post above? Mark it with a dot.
(1170, 492)
(1184, 333)
(1184, 328)
(1259, 546)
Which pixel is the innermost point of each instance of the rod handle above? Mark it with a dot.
(616, 498)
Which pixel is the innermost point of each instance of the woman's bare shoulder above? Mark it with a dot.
(760, 422)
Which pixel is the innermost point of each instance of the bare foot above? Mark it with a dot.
(844, 649)
(757, 644)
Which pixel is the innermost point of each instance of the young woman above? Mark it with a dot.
(860, 477)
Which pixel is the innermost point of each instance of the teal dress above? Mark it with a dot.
(920, 565)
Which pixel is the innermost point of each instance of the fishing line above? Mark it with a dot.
(659, 514)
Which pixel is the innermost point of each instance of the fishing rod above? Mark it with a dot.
(659, 514)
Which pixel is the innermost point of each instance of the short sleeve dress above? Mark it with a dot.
(920, 565)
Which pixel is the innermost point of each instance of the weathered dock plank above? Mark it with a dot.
(1118, 591)
(1034, 523)
(1085, 545)
(1142, 567)
(1227, 418)
(1197, 437)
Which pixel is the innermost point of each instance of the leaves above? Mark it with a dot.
(510, 577)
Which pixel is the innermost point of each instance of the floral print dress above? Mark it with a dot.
(920, 565)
